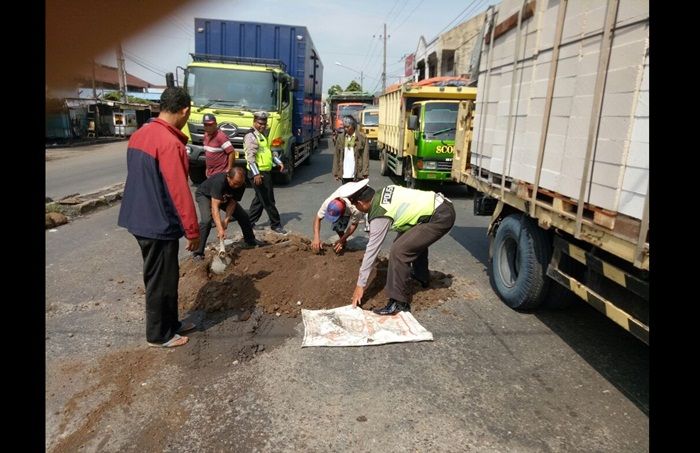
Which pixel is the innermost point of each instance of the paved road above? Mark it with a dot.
(84, 169)
(493, 379)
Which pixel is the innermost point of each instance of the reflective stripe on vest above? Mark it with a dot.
(263, 158)
(404, 206)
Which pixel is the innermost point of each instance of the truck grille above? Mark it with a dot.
(235, 133)
(444, 165)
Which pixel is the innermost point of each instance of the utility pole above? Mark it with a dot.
(384, 67)
(94, 88)
(121, 72)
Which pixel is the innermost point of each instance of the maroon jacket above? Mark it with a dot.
(157, 201)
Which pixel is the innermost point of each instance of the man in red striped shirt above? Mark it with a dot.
(218, 150)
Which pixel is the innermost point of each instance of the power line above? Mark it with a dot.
(409, 15)
(472, 4)
(143, 61)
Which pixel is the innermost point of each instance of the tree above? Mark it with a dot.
(354, 86)
(335, 89)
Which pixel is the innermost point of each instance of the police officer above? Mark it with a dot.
(260, 161)
(421, 218)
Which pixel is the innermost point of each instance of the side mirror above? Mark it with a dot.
(413, 122)
(169, 80)
(293, 84)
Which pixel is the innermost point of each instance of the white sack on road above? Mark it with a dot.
(348, 326)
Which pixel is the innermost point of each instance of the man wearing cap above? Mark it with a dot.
(338, 210)
(218, 150)
(260, 161)
(421, 218)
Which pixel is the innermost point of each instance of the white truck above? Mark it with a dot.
(556, 147)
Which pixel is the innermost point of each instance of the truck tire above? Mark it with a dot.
(197, 174)
(518, 263)
(383, 166)
(286, 177)
(410, 181)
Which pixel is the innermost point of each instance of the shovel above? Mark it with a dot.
(221, 259)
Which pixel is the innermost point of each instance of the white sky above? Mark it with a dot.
(342, 31)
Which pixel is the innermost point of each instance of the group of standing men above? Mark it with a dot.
(158, 209)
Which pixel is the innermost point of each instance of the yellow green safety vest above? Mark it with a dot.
(263, 158)
(406, 207)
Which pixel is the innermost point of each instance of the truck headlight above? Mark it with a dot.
(429, 165)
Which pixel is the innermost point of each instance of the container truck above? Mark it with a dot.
(557, 148)
(352, 102)
(417, 123)
(242, 67)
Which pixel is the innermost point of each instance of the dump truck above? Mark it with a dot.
(352, 101)
(242, 67)
(417, 123)
(556, 147)
(369, 123)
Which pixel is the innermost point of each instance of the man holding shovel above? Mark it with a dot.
(222, 192)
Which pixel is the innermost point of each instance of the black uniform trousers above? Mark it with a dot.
(264, 199)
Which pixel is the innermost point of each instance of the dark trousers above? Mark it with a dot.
(239, 215)
(264, 199)
(410, 250)
(161, 273)
(346, 180)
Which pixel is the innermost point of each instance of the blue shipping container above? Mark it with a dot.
(290, 44)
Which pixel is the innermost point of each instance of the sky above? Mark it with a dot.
(347, 32)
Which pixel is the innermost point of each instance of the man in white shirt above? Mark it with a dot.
(351, 156)
(338, 210)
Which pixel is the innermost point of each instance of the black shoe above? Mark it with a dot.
(393, 307)
(251, 245)
(423, 283)
(279, 230)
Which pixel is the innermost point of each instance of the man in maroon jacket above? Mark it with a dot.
(157, 208)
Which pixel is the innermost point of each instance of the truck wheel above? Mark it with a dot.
(286, 177)
(383, 166)
(197, 174)
(518, 264)
(410, 181)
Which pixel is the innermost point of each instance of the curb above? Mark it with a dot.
(77, 205)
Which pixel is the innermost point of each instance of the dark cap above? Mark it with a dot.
(335, 210)
(208, 118)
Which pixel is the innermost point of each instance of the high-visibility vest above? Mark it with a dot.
(263, 158)
(406, 207)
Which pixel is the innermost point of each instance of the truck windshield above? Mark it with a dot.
(370, 119)
(352, 110)
(231, 88)
(440, 120)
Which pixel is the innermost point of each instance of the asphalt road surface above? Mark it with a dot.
(492, 380)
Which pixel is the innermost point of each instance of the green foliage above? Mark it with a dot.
(117, 96)
(335, 89)
(354, 86)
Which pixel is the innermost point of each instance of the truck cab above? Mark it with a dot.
(232, 92)
(347, 109)
(369, 124)
(430, 131)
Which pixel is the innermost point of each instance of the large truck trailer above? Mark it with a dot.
(242, 67)
(557, 148)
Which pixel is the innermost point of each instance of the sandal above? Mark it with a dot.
(174, 342)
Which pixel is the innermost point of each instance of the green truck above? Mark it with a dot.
(417, 123)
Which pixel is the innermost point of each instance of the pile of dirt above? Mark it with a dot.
(286, 275)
